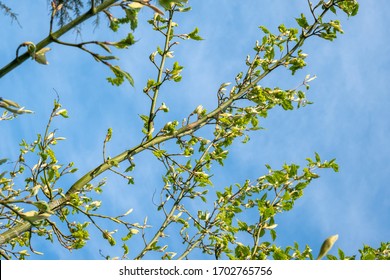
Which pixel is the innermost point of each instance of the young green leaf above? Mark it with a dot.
(302, 21)
(194, 35)
(167, 4)
(327, 245)
(120, 76)
(40, 56)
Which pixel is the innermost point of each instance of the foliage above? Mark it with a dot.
(35, 203)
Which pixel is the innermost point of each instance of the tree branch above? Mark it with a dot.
(52, 37)
(184, 130)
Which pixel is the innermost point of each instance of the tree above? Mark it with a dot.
(236, 222)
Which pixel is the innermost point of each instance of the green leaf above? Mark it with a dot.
(318, 159)
(114, 24)
(242, 225)
(167, 4)
(144, 118)
(106, 57)
(131, 15)
(63, 113)
(241, 251)
(287, 105)
(125, 249)
(273, 234)
(335, 167)
(108, 236)
(194, 35)
(341, 254)
(176, 71)
(327, 245)
(350, 7)
(302, 21)
(120, 76)
(264, 29)
(126, 42)
(159, 153)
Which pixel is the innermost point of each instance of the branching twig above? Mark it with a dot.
(55, 35)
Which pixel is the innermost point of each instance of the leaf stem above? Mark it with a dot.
(156, 90)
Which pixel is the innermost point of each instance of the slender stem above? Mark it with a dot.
(192, 246)
(165, 224)
(175, 206)
(159, 77)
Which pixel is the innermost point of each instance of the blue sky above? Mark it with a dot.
(349, 119)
